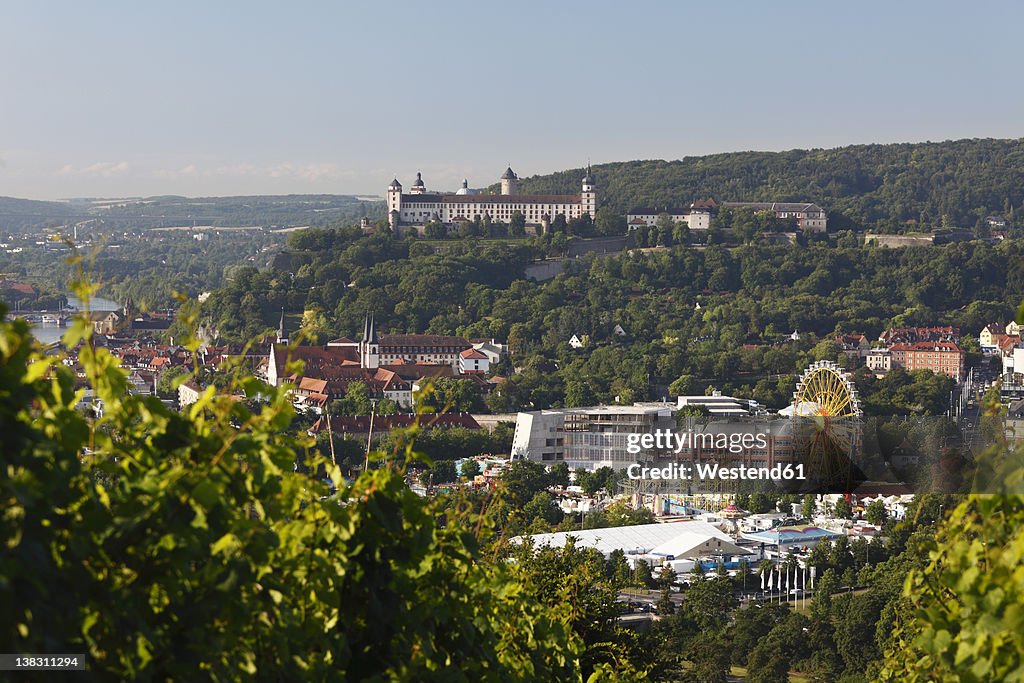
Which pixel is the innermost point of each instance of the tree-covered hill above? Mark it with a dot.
(891, 187)
(16, 214)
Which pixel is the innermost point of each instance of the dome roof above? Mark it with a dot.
(419, 180)
(465, 187)
(509, 174)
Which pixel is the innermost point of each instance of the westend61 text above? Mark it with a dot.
(712, 471)
(666, 439)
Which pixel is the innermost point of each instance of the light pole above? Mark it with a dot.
(369, 436)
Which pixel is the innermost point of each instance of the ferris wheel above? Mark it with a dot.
(825, 390)
(826, 412)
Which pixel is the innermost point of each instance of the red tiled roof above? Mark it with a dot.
(349, 423)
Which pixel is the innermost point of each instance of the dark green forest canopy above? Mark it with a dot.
(953, 183)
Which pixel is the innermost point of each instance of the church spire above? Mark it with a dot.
(372, 332)
(282, 334)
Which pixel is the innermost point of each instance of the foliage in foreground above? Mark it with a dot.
(967, 621)
(172, 546)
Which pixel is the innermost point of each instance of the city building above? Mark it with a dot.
(879, 361)
(382, 350)
(942, 358)
(599, 436)
(392, 366)
(416, 208)
(854, 346)
(589, 438)
(697, 215)
(912, 335)
(809, 217)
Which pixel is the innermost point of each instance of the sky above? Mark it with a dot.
(112, 99)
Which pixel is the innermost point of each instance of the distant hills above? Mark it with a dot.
(17, 215)
(956, 183)
(891, 188)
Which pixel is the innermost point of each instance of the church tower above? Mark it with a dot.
(588, 197)
(369, 348)
(129, 310)
(282, 334)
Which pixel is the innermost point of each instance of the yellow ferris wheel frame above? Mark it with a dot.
(828, 388)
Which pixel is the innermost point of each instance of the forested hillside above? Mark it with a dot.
(18, 214)
(893, 187)
(692, 317)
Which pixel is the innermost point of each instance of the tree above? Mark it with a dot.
(578, 394)
(234, 543)
(542, 506)
(435, 230)
(386, 406)
(708, 602)
(167, 385)
(667, 576)
(952, 633)
(610, 222)
(876, 513)
(642, 575)
(760, 503)
(842, 509)
(665, 606)
(470, 469)
(809, 507)
(683, 385)
(442, 472)
(522, 480)
(826, 587)
(559, 475)
(356, 400)
(517, 224)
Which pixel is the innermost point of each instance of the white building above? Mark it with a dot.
(589, 438)
(697, 216)
(716, 405)
(578, 341)
(377, 350)
(419, 207)
(879, 360)
(472, 361)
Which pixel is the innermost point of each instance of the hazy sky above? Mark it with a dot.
(213, 98)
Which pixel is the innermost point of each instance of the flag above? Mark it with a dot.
(771, 579)
(763, 579)
(813, 572)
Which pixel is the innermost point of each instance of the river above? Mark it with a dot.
(48, 334)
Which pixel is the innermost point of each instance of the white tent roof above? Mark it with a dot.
(804, 409)
(642, 539)
(698, 543)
